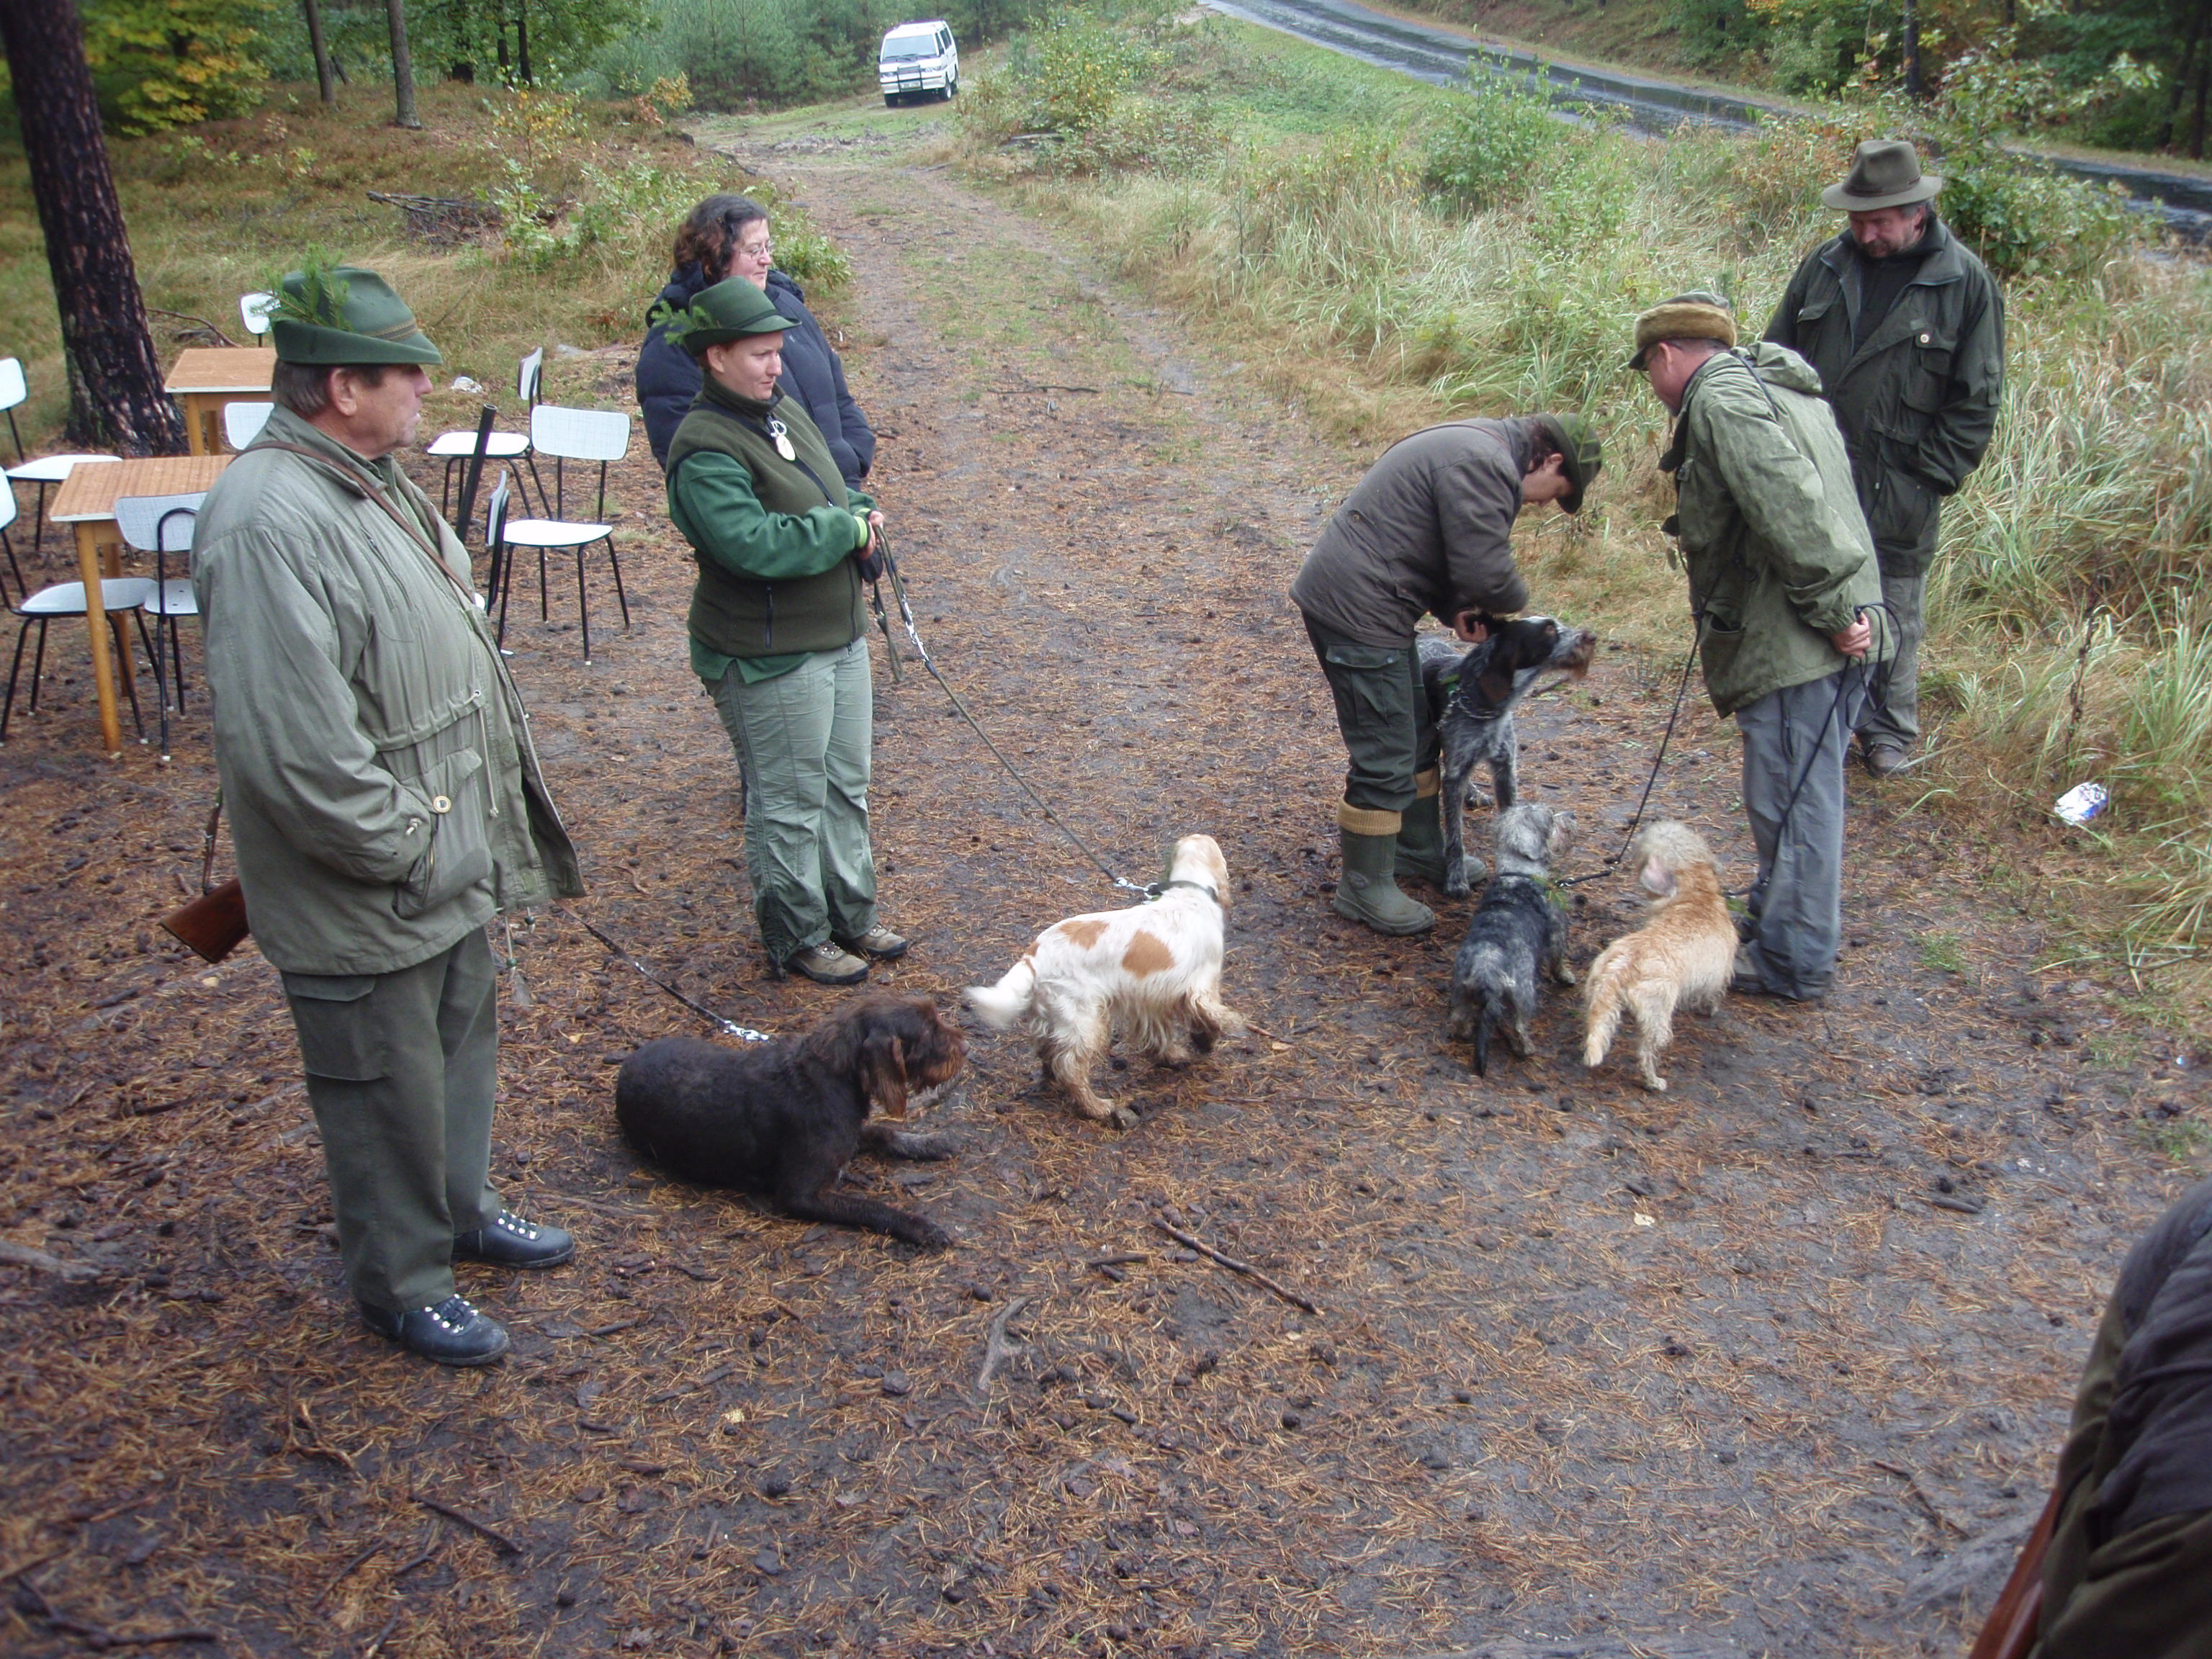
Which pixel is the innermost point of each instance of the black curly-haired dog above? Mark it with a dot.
(783, 1119)
(1472, 698)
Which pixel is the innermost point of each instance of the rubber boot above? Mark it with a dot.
(1421, 835)
(1369, 891)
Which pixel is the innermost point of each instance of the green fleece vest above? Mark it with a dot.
(739, 617)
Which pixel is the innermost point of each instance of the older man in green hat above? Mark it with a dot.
(1428, 531)
(1783, 586)
(1905, 328)
(779, 632)
(384, 801)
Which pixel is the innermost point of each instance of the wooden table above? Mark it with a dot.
(206, 377)
(87, 500)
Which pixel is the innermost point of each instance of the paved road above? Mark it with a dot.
(1435, 53)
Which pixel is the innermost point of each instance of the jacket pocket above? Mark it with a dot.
(1927, 381)
(338, 1037)
(1902, 510)
(460, 854)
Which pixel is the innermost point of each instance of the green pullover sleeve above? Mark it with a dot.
(711, 499)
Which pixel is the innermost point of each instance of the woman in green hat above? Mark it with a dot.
(778, 632)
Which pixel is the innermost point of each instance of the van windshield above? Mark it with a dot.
(911, 45)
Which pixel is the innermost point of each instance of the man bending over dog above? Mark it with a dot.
(1783, 580)
(1427, 530)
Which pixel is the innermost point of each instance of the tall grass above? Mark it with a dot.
(1350, 268)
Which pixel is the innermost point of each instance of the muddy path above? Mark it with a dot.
(1774, 1363)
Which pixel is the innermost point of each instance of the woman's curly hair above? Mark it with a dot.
(709, 237)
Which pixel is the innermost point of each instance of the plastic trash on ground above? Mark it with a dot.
(2083, 802)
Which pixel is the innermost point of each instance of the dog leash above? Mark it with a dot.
(743, 1033)
(1628, 838)
(906, 618)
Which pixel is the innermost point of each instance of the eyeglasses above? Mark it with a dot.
(756, 250)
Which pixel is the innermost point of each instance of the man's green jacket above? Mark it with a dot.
(1777, 552)
(1918, 400)
(383, 795)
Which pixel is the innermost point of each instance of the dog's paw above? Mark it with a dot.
(927, 1148)
(1565, 976)
(930, 1236)
(1656, 1083)
(1123, 1118)
(1462, 881)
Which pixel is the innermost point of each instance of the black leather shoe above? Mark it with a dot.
(452, 1333)
(512, 1241)
(1882, 759)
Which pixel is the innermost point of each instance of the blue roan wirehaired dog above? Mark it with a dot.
(1519, 930)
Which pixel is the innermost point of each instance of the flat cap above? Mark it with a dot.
(1696, 315)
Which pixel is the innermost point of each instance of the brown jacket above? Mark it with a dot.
(1429, 529)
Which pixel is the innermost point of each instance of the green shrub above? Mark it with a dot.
(2027, 220)
(162, 63)
(1494, 145)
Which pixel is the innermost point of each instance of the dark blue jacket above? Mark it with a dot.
(668, 378)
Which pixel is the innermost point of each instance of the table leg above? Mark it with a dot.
(95, 619)
(197, 412)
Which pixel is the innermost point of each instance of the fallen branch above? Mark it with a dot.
(23, 1255)
(995, 1346)
(1190, 1240)
(1913, 1490)
(481, 1528)
(220, 339)
(348, 1571)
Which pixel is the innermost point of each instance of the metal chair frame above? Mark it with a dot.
(566, 434)
(117, 594)
(131, 513)
(529, 381)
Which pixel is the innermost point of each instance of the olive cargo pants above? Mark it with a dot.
(805, 740)
(1382, 710)
(401, 1068)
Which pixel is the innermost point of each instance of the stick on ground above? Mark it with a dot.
(1191, 1242)
(481, 1529)
(995, 1346)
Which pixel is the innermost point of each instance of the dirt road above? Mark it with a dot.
(1776, 1363)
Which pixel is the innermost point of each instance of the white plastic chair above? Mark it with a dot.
(569, 435)
(253, 312)
(162, 526)
(119, 595)
(242, 423)
(455, 448)
(47, 469)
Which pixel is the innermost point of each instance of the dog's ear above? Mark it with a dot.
(1657, 879)
(883, 1071)
(1496, 680)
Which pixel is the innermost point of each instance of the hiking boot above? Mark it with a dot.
(1369, 892)
(452, 1333)
(827, 964)
(879, 942)
(508, 1241)
(1883, 758)
(1420, 855)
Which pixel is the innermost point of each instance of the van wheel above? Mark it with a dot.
(891, 100)
(951, 89)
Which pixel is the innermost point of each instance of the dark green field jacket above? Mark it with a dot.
(1777, 550)
(1918, 400)
(773, 538)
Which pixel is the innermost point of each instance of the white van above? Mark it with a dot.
(919, 60)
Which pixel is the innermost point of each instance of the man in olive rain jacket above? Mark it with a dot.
(383, 799)
(1782, 581)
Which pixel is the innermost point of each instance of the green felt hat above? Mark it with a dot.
(1574, 436)
(731, 310)
(327, 316)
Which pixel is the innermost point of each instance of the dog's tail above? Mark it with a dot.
(1486, 1021)
(1603, 1003)
(1001, 1007)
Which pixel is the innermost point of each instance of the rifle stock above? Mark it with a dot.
(2017, 1619)
(214, 923)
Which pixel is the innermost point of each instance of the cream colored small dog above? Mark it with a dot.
(1682, 957)
(1154, 971)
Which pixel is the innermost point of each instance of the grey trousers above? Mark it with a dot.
(1897, 720)
(1382, 712)
(805, 740)
(402, 1069)
(1797, 902)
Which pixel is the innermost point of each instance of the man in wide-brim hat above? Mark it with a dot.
(1905, 328)
(383, 800)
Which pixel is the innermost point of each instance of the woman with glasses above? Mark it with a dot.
(728, 236)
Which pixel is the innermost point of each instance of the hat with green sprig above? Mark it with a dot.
(1575, 436)
(733, 310)
(329, 316)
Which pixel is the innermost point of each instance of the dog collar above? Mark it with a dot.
(1196, 886)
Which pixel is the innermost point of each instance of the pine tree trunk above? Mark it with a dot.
(402, 66)
(326, 82)
(116, 400)
(522, 42)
